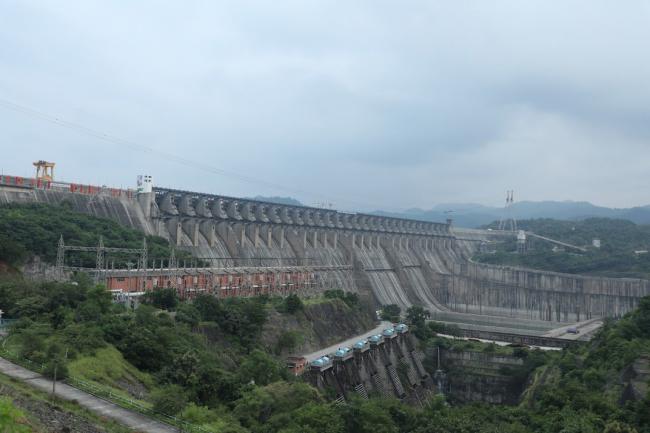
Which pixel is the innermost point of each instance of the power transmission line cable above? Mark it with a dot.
(36, 114)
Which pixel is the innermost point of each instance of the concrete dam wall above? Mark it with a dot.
(393, 260)
(506, 291)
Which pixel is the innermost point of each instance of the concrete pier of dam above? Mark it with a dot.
(389, 367)
(385, 260)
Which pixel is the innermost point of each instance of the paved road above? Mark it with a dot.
(586, 328)
(349, 342)
(497, 342)
(101, 407)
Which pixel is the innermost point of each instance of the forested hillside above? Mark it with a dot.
(28, 230)
(203, 361)
(219, 364)
(620, 255)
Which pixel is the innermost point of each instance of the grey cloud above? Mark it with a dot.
(366, 104)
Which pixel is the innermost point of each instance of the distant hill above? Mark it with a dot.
(618, 256)
(475, 215)
(279, 200)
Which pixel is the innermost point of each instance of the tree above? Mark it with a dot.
(618, 427)
(260, 404)
(416, 317)
(317, 418)
(12, 252)
(216, 385)
(293, 304)
(169, 400)
(259, 368)
(642, 316)
(145, 350)
(56, 365)
(166, 299)
(188, 313)
(391, 312)
(184, 370)
(288, 340)
(210, 308)
(350, 298)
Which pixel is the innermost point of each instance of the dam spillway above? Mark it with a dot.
(393, 260)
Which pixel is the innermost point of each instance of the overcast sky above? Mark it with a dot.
(365, 104)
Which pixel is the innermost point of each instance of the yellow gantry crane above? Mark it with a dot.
(44, 170)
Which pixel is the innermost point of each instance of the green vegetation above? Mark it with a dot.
(22, 406)
(351, 299)
(218, 375)
(292, 304)
(203, 361)
(144, 354)
(616, 257)
(391, 312)
(12, 420)
(107, 366)
(34, 230)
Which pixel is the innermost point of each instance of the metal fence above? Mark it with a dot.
(4, 323)
(108, 395)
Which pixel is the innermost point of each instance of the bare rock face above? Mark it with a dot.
(37, 269)
(635, 380)
(51, 417)
(318, 325)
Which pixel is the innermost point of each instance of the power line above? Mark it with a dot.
(36, 114)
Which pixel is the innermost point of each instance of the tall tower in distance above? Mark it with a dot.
(508, 221)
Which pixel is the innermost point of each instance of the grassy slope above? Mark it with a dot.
(108, 368)
(20, 392)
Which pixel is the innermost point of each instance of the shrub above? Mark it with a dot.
(293, 304)
(391, 312)
(169, 400)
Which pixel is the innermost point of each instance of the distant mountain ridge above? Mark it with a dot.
(278, 200)
(474, 215)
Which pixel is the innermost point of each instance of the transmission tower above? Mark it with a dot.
(173, 267)
(508, 221)
(99, 263)
(60, 258)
